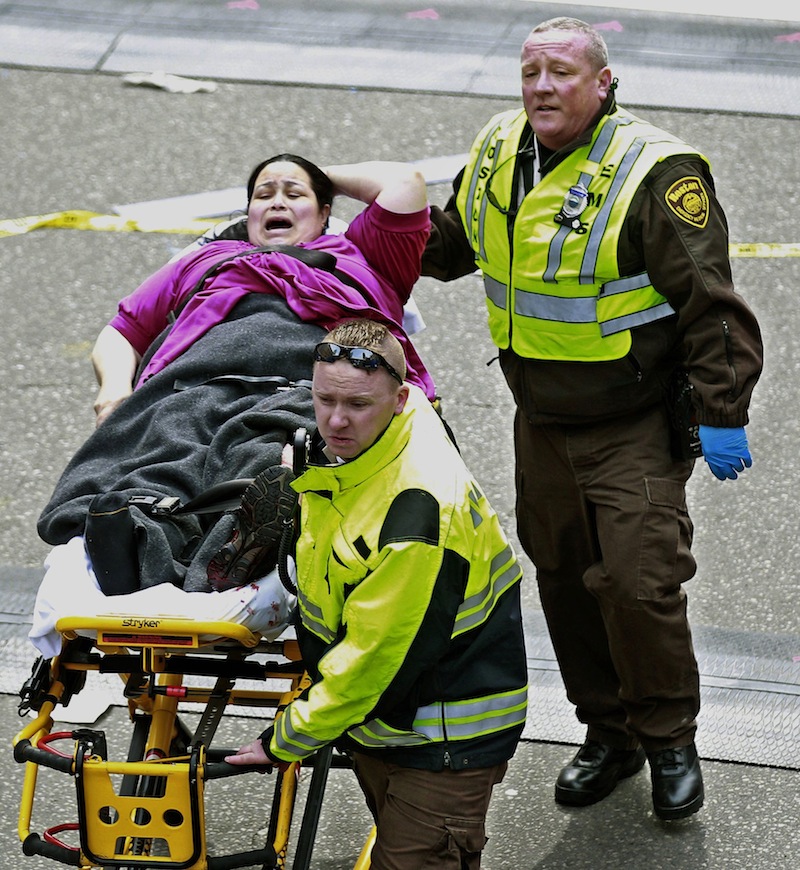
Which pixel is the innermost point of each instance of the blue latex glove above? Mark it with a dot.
(725, 451)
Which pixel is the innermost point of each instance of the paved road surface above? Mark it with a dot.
(352, 80)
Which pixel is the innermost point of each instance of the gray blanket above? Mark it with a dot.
(182, 432)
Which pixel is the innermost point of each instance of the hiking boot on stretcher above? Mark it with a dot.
(267, 506)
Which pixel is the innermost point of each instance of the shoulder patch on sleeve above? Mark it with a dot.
(412, 516)
(688, 199)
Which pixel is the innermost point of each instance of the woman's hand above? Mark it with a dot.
(105, 404)
(397, 187)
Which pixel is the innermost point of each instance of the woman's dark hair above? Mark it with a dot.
(320, 183)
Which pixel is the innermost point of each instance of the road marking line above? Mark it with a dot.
(88, 220)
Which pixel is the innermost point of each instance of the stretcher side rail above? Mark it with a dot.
(85, 760)
(152, 655)
(158, 632)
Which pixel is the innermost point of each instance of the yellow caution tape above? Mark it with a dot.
(87, 220)
(765, 249)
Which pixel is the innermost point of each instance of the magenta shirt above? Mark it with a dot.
(381, 250)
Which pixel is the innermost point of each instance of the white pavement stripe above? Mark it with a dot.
(763, 10)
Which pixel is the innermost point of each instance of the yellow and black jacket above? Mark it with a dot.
(409, 608)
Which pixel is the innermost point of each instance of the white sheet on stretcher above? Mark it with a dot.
(70, 588)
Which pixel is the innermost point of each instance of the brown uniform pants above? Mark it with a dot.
(426, 819)
(601, 511)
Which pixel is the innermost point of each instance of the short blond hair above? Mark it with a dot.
(596, 50)
(373, 336)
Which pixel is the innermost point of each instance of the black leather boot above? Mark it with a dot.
(677, 782)
(594, 773)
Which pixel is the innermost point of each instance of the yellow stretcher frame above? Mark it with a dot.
(166, 811)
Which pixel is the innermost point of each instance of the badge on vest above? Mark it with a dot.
(688, 199)
(575, 201)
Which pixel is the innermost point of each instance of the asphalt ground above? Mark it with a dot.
(79, 138)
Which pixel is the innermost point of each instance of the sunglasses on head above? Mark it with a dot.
(360, 357)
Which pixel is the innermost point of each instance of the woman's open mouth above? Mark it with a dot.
(278, 224)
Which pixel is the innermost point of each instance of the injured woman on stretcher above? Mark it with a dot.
(204, 377)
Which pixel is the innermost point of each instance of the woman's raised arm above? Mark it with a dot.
(397, 187)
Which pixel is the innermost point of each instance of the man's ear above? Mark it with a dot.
(604, 82)
(402, 398)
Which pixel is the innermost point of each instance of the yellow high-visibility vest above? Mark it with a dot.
(553, 287)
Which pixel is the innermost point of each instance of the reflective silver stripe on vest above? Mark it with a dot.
(554, 253)
(603, 140)
(596, 155)
(464, 720)
(496, 291)
(582, 309)
(468, 617)
(474, 183)
(313, 619)
(600, 224)
(622, 285)
(638, 318)
(289, 740)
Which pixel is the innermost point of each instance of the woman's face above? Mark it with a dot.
(284, 209)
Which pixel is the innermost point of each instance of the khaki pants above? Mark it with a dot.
(426, 819)
(601, 511)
